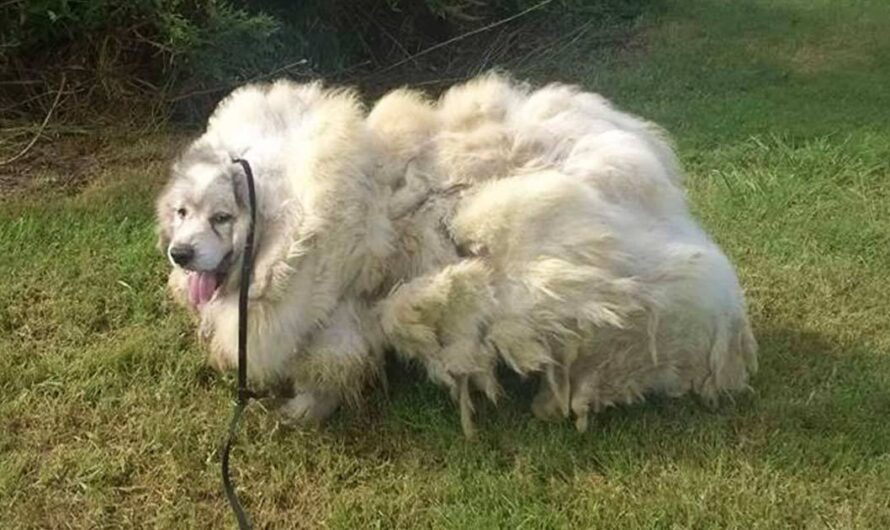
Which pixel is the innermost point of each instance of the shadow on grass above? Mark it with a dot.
(815, 402)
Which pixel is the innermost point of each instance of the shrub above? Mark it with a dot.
(114, 50)
(147, 54)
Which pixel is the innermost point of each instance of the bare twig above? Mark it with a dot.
(553, 47)
(386, 34)
(160, 46)
(33, 141)
(463, 36)
(228, 86)
(21, 82)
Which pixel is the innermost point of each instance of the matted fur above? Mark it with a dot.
(542, 229)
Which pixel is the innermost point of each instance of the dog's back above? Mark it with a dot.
(584, 265)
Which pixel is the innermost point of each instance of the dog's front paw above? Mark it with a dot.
(309, 408)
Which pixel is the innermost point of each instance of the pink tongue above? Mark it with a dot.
(202, 285)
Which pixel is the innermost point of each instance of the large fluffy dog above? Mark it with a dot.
(542, 229)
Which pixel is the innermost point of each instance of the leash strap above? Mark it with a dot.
(228, 486)
(244, 394)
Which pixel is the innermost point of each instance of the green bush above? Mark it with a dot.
(113, 50)
(151, 53)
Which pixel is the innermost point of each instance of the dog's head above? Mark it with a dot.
(203, 220)
(314, 164)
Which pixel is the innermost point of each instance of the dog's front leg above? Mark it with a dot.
(310, 407)
(340, 360)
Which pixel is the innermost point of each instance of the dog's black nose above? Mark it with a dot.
(181, 255)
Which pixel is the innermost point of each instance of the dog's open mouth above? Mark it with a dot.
(202, 286)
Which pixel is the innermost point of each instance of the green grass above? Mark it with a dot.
(781, 112)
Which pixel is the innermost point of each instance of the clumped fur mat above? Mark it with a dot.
(781, 113)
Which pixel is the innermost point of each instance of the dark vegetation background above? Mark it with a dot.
(149, 60)
(110, 418)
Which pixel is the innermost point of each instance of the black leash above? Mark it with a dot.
(244, 394)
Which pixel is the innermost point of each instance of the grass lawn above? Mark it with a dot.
(781, 113)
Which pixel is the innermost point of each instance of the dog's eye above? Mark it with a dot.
(220, 218)
(181, 212)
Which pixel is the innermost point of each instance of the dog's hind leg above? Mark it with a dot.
(466, 406)
(553, 401)
(439, 320)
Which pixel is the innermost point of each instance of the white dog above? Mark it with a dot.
(538, 228)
